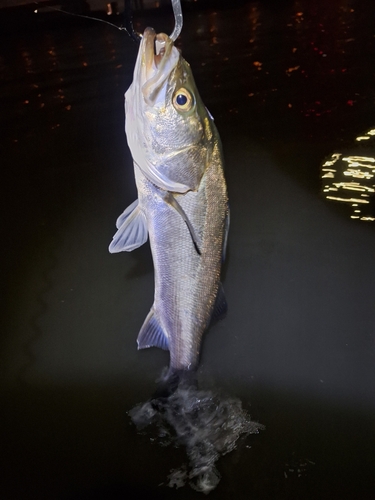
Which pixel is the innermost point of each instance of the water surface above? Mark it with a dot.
(289, 84)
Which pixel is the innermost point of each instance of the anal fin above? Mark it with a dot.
(152, 334)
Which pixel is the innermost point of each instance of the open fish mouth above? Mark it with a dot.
(159, 57)
(157, 47)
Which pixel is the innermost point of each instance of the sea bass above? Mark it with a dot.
(182, 200)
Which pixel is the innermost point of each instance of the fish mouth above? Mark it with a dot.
(159, 57)
(160, 43)
(156, 46)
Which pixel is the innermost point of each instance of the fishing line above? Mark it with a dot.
(121, 28)
(176, 5)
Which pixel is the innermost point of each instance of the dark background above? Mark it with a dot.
(288, 84)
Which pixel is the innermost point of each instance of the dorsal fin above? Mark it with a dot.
(152, 334)
(132, 230)
(226, 231)
(221, 307)
(125, 214)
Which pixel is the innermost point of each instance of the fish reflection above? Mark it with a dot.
(350, 178)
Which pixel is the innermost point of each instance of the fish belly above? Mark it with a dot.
(186, 282)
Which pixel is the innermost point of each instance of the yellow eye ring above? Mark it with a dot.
(182, 100)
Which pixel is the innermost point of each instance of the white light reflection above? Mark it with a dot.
(350, 200)
(350, 179)
(367, 136)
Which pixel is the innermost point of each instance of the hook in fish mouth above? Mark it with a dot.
(158, 57)
(176, 5)
(156, 45)
(178, 20)
(159, 47)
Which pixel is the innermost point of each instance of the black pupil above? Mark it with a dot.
(181, 99)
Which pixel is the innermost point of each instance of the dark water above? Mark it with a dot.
(206, 424)
(289, 84)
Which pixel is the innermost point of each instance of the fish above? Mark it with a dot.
(182, 204)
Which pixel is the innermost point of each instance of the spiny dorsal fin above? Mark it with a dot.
(221, 307)
(226, 231)
(152, 334)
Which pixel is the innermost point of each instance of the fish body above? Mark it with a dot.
(182, 200)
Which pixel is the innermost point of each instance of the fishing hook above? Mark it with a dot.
(177, 11)
(178, 21)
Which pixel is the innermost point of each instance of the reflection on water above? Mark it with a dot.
(350, 179)
(241, 64)
(293, 78)
(206, 424)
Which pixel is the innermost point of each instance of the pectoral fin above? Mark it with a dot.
(152, 334)
(171, 200)
(132, 230)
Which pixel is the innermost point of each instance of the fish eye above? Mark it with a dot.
(182, 100)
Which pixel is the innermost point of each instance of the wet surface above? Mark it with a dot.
(204, 423)
(289, 84)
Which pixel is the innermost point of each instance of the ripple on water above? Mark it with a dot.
(349, 177)
(207, 424)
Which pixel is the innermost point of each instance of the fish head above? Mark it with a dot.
(169, 131)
